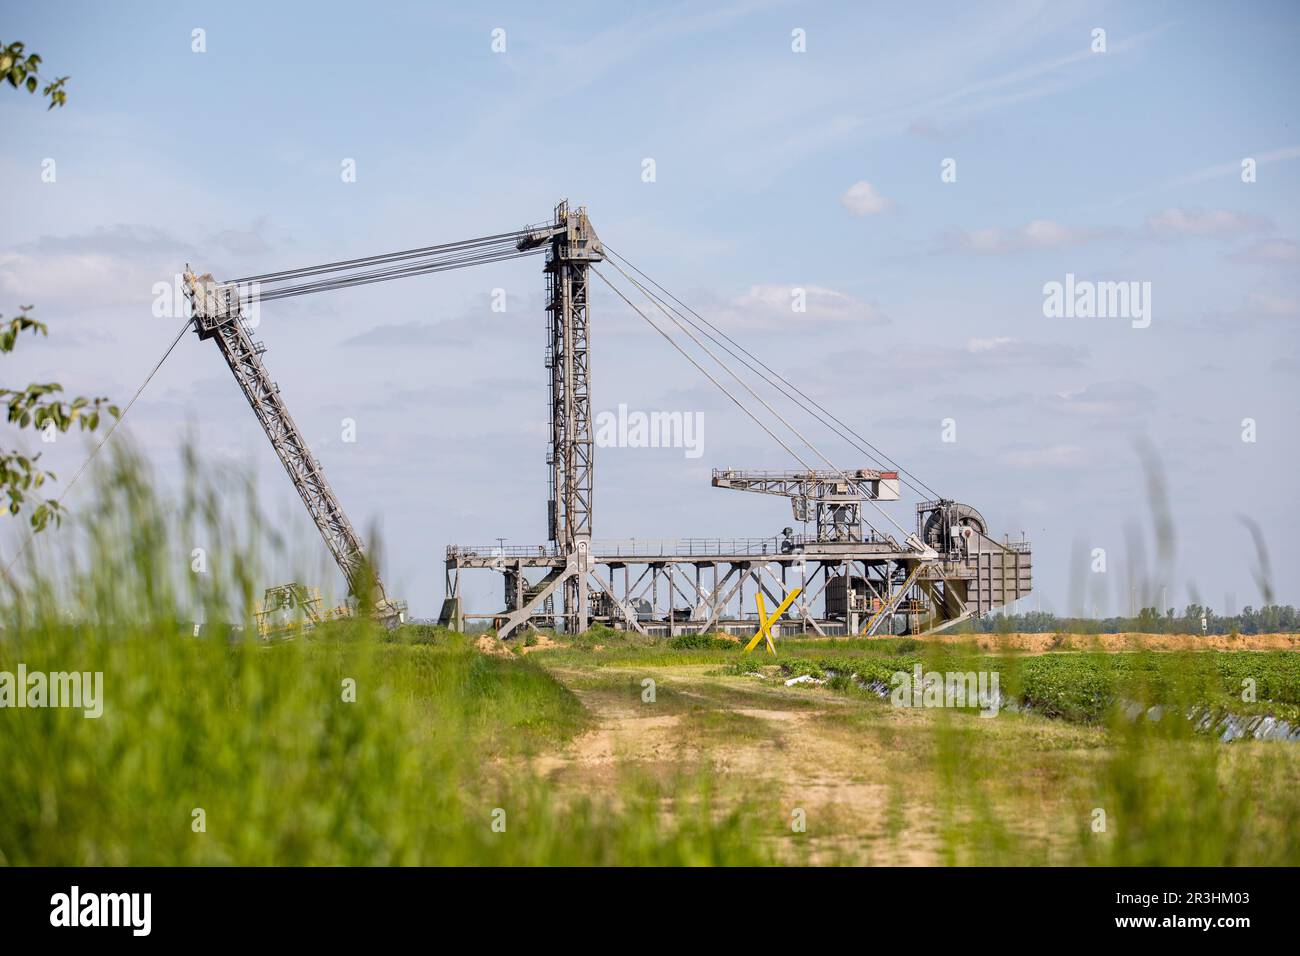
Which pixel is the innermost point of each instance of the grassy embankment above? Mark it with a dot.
(262, 745)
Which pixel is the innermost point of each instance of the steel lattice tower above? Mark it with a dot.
(570, 456)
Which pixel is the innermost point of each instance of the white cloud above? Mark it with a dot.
(1053, 456)
(1261, 313)
(1279, 306)
(109, 267)
(862, 199)
(976, 346)
(415, 335)
(118, 265)
(1036, 234)
(1046, 233)
(1106, 400)
(1050, 234)
(771, 307)
(1001, 350)
(1205, 222)
(1270, 252)
(978, 355)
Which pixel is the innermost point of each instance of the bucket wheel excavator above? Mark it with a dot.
(865, 578)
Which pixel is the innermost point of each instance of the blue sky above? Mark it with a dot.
(924, 305)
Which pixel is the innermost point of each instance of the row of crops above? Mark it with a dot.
(1084, 687)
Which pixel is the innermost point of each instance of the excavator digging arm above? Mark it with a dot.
(217, 315)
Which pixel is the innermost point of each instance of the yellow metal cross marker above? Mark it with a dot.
(765, 623)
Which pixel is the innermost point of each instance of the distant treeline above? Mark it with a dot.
(1195, 619)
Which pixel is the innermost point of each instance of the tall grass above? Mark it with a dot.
(224, 750)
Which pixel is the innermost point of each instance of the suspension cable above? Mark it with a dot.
(393, 261)
(779, 377)
(107, 435)
(386, 256)
(405, 271)
(778, 385)
(725, 367)
(703, 371)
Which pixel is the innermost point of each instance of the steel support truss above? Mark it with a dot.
(218, 316)
(709, 586)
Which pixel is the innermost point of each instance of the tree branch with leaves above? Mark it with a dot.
(21, 69)
(41, 405)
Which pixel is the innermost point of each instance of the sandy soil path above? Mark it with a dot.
(772, 741)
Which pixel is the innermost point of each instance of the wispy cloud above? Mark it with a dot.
(1229, 169)
(1269, 252)
(1037, 234)
(1274, 306)
(1233, 167)
(1104, 399)
(1172, 223)
(1206, 223)
(412, 335)
(1051, 456)
(1032, 81)
(993, 354)
(772, 307)
(119, 264)
(1003, 351)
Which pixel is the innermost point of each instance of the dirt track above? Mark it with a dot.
(876, 784)
(829, 756)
